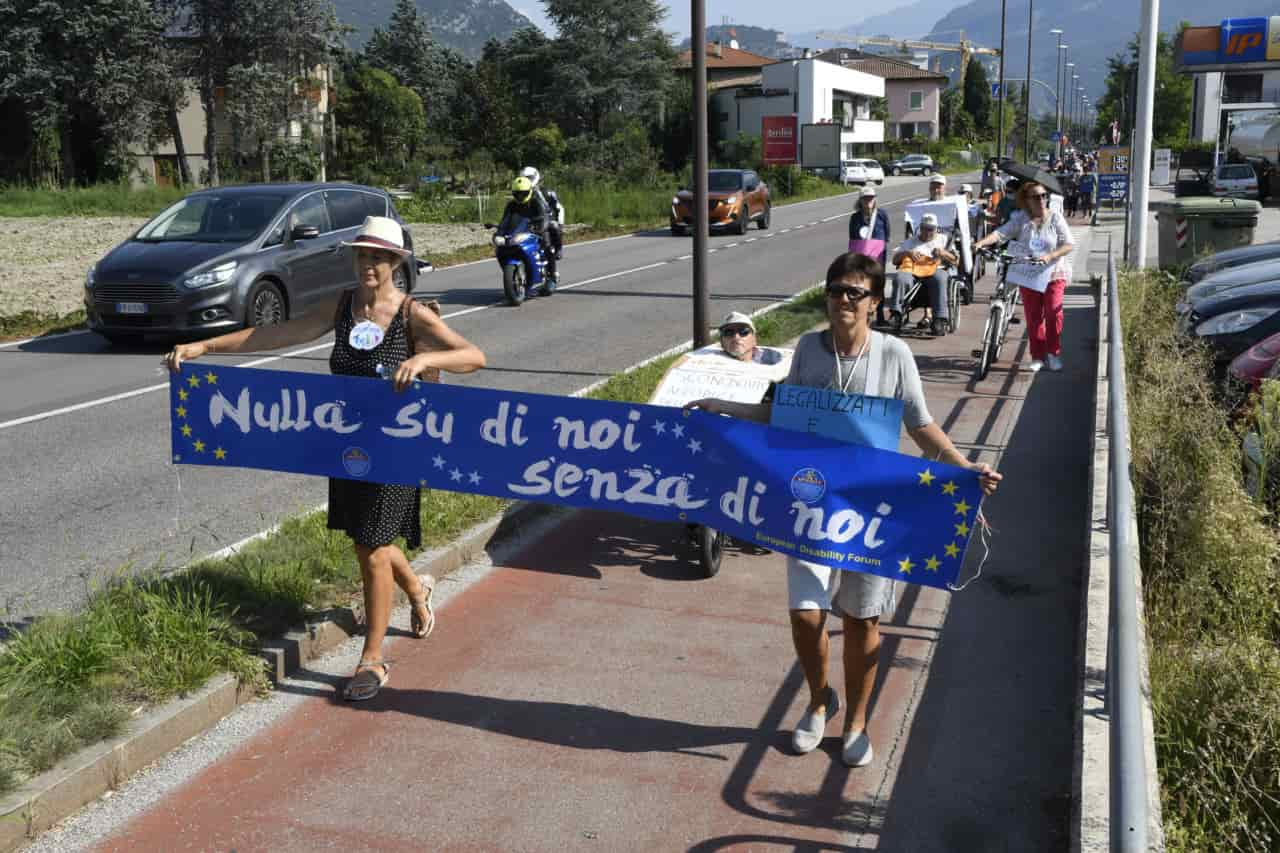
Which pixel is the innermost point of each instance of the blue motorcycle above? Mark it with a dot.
(524, 262)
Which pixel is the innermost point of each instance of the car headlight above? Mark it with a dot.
(733, 199)
(90, 278)
(1234, 321)
(499, 240)
(217, 275)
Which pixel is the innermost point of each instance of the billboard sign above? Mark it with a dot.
(1113, 173)
(1160, 174)
(820, 146)
(1236, 44)
(780, 139)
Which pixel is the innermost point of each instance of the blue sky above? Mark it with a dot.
(795, 16)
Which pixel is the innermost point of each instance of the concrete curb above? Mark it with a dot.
(82, 778)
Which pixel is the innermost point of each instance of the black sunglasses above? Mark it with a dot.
(1038, 195)
(857, 294)
(740, 331)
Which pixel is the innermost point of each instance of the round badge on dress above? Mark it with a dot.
(864, 232)
(365, 335)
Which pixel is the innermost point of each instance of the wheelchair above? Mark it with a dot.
(953, 220)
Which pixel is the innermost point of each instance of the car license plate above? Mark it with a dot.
(131, 307)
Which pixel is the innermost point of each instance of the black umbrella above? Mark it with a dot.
(1023, 172)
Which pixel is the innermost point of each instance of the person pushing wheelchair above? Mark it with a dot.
(923, 257)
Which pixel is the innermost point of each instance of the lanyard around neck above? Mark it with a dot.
(841, 382)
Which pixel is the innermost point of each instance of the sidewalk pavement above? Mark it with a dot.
(591, 693)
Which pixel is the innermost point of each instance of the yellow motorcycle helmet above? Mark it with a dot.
(521, 189)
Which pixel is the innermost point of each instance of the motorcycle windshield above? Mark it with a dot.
(513, 223)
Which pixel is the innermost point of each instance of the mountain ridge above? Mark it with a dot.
(464, 25)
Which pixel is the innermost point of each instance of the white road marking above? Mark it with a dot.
(751, 239)
(728, 245)
(45, 338)
(684, 257)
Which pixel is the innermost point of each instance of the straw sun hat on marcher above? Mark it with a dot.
(380, 232)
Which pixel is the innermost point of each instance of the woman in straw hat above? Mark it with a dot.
(374, 325)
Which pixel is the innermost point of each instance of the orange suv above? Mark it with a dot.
(735, 197)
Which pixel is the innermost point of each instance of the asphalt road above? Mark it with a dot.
(88, 487)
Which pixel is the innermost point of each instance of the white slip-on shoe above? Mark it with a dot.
(811, 728)
(857, 749)
(1035, 365)
(1055, 362)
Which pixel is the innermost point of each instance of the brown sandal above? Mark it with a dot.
(419, 627)
(366, 683)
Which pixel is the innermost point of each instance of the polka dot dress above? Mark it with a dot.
(372, 514)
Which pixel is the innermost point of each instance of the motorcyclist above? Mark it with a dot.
(554, 232)
(533, 207)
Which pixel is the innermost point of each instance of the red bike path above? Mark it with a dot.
(593, 693)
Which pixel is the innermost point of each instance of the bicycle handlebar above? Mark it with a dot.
(1012, 259)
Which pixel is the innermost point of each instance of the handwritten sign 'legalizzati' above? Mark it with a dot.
(855, 418)
(818, 498)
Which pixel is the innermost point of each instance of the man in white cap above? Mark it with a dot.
(937, 187)
(923, 256)
(738, 340)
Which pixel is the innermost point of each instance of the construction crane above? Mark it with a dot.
(965, 48)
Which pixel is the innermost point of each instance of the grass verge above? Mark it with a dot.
(71, 681)
(100, 200)
(31, 323)
(1210, 585)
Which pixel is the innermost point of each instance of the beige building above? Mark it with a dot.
(159, 165)
(727, 66)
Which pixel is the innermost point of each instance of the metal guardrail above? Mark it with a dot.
(1128, 767)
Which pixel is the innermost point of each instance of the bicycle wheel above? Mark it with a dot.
(990, 342)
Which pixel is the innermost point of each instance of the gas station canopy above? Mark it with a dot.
(1237, 44)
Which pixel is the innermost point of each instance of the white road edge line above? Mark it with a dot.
(8, 344)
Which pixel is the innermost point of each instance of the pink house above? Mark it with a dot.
(914, 95)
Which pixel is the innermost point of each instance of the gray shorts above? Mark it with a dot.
(812, 586)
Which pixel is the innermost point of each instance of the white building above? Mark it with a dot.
(1249, 103)
(814, 91)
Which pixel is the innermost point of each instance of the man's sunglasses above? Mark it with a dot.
(857, 294)
(740, 331)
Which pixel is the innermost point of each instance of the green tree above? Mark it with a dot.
(382, 121)
(957, 123)
(609, 58)
(1171, 117)
(407, 51)
(486, 111)
(977, 96)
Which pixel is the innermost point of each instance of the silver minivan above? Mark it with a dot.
(230, 257)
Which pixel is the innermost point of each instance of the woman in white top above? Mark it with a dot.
(1041, 233)
(850, 357)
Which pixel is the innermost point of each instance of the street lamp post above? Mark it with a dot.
(1026, 94)
(1075, 78)
(701, 298)
(1066, 82)
(1057, 92)
(1000, 103)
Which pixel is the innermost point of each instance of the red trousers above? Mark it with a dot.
(1044, 318)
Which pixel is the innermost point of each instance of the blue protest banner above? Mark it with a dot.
(855, 418)
(834, 503)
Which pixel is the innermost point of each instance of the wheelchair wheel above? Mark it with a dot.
(710, 550)
(955, 301)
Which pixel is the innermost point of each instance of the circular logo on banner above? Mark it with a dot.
(808, 485)
(365, 335)
(356, 461)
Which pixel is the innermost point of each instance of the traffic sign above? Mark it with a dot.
(995, 90)
(1057, 136)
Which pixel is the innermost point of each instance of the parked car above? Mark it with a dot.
(912, 164)
(1231, 259)
(1258, 362)
(861, 172)
(230, 257)
(735, 198)
(1234, 309)
(1235, 180)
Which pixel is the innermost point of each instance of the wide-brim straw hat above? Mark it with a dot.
(380, 232)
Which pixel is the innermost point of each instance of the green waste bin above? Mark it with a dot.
(1190, 228)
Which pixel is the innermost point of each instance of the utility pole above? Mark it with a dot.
(1141, 153)
(701, 299)
(1000, 103)
(1058, 59)
(1026, 100)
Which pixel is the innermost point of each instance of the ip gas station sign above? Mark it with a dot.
(1236, 44)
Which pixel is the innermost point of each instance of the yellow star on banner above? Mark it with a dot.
(182, 411)
(199, 445)
(211, 377)
(962, 529)
(905, 565)
(962, 508)
(219, 453)
(932, 563)
(182, 394)
(953, 550)
(926, 477)
(194, 381)
(949, 488)
(186, 430)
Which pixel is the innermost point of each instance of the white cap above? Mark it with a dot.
(966, 188)
(928, 221)
(868, 191)
(737, 318)
(938, 178)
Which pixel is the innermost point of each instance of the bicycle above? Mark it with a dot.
(1004, 299)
